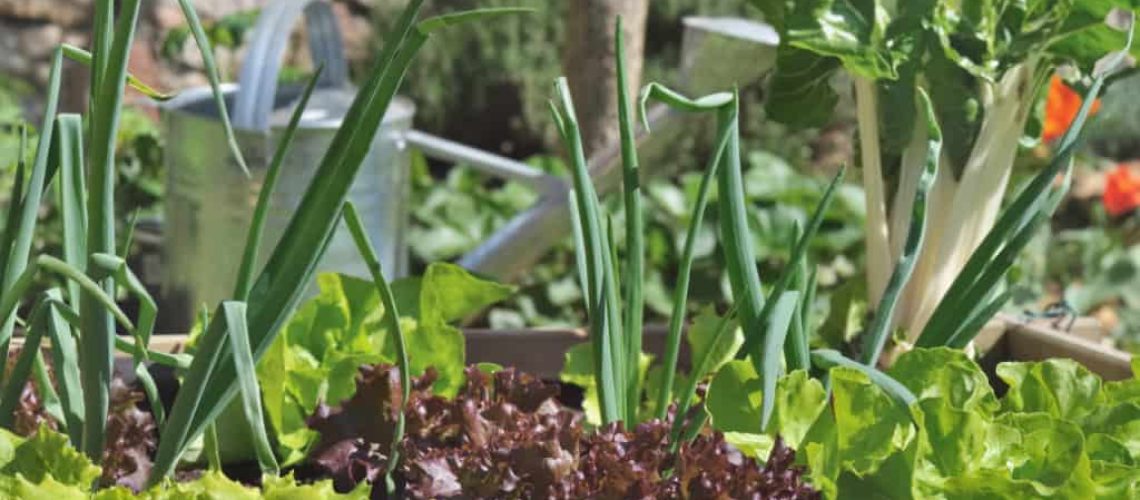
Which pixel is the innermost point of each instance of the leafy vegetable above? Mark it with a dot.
(316, 357)
(504, 435)
(983, 66)
(1059, 431)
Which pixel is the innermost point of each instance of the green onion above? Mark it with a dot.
(392, 324)
(250, 390)
(634, 227)
(879, 329)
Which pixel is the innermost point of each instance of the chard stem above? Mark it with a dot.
(878, 238)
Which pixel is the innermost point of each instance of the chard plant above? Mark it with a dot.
(982, 64)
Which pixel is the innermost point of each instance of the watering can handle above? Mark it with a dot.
(258, 79)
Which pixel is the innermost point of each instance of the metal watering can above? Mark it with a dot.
(209, 201)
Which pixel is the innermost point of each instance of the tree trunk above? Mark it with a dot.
(589, 64)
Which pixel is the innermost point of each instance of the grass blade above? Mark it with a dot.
(150, 390)
(10, 396)
(6, 246)
(128, 238)
(634, 225)
(98, 324)
(973, 325)
(579, 242)
(630, 392)
(739, 256)
(783, 316)
(828, 358)
(48, 395)
(657, 92)
(391, 324)
(257, 225)
(797, 355)
(684, 274)
(880, 326)
(210, 448)
(247, 379)
(102, 34)
(429, 25)
(116, 268)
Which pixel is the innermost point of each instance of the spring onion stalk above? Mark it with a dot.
(711, 103)
(608, 350)
(702, 365)
(984, 91)
(392, 324)
(684, 274)
(879, 328)
(634, 226)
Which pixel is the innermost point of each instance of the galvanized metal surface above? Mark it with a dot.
(210, 201)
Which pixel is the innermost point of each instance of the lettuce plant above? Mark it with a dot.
(983, 65)
(1059, 431)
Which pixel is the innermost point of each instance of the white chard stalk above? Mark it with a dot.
(962, 211)
(879, 262)
(990, 61)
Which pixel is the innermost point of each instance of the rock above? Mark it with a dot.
(66, 13)
(38, 42)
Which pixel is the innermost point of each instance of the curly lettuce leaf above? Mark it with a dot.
(1061, 388)
(1060, 432)
(316, 357)
(45, 455)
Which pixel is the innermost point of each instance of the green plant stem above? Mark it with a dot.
(739, 256)
(265, 195)
(684, 274)
(701, 367)
(392, 324)
(607, 351)
(634, 227)
(98, 324)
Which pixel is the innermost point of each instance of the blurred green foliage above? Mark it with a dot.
(140, 181)
(453, 216)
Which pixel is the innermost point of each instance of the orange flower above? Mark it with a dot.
(1121, 191)
(1061, 106)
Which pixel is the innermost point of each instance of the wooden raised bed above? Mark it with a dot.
(542, 351)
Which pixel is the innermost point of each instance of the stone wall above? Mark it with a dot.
(30, 30)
